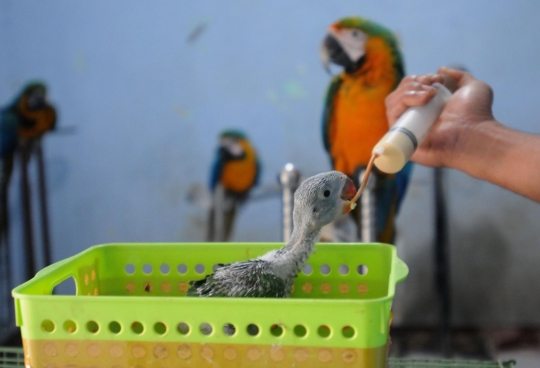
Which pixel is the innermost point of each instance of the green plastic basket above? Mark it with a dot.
(130, 308)
(11, 357)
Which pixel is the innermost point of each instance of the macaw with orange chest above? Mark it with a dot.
(27, 118)
(354, 117)
(235, 172)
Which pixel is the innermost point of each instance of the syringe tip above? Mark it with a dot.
(379, 150)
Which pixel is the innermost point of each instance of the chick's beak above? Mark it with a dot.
(348, 191)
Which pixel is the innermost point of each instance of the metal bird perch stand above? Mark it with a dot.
(368, 207)
(289, 179)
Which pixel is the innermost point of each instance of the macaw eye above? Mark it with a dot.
(355, 33)
(326, 193)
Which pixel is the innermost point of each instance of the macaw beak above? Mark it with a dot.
(37, 100)
(324, 54)
(330, 46)
(347, 193)
(231, 149)
(332, 52)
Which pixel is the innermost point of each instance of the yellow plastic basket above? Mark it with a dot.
(130, 309)
(13, 358)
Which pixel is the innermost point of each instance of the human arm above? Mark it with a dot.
(467, 137)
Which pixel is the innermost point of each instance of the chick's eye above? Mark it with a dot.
(326, 193)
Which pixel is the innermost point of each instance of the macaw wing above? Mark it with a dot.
(217, 171)
(397, 64)
(398, 67)
(390, 193)
(8, 132)
(328, 111)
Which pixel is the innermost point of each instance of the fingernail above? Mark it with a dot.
(416, 93)
(430, 90)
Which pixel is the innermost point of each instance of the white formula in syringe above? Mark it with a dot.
(397, 146)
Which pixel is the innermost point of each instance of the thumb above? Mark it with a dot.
(461, 77)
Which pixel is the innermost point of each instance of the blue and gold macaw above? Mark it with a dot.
(28, 117)
(354, 117)
(235, 172)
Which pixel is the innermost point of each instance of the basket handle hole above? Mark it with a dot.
(66, 287)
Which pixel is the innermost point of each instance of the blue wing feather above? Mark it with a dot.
(217, 171)
(390, 195)
(8, 132)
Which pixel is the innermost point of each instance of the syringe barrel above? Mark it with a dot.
(397, 146)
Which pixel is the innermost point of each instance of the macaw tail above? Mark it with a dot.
(6, 166)
(220, 228)
(4, 218)
(389, 192)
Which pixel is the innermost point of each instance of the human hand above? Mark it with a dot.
(467, 109)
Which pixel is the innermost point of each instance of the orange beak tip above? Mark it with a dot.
(346, 208)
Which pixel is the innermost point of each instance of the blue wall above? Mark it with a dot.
(147, 105)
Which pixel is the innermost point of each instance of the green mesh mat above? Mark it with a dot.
(411, 363)
(11, 357)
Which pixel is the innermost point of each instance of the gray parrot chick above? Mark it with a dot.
(318, 201)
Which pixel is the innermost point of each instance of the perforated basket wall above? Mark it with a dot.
(130, 309)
